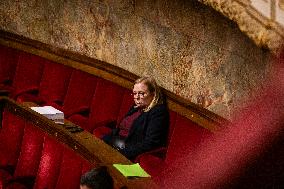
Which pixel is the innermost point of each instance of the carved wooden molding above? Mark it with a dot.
(264, 32)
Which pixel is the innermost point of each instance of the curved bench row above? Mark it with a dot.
(94, 95)
(37, 153)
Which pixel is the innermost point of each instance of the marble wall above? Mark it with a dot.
(190, 48)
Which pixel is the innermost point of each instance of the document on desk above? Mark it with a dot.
(51, 113)
(133, 170)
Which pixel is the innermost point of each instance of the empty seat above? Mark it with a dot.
(70, 170)
(104, 108)
(79, 94)
(11, 135)
(53, 85)
(8, 63)
(49, 166)
(28, 75)
(185, 139)
(29, 158)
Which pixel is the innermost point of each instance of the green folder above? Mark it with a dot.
(133, 170)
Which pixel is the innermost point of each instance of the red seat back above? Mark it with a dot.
(8, 63)
(70, 170)
(28, 73)
(30, 154)
(106, 103)
(11, 135)
(80, 92)
(49, 166)
(185, 138)
(127, 102)
(54, 82)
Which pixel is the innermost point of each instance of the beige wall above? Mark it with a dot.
(190, 48)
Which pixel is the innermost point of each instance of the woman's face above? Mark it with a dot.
(142, 96)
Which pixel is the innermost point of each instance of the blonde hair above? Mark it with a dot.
(153, 87)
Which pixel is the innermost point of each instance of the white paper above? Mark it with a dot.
(51, 113)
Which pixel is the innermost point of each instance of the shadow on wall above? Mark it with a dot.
(247, 154)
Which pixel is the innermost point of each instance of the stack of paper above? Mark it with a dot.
(134, 170)
(51, 113)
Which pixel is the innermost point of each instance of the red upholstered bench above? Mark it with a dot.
(79, 94)
(11, 135)
(32, 159)
(95, 104)
(104, 108)
(53, 85)
(184, 138)
(28, 75)
(8, 63)
(28, 160)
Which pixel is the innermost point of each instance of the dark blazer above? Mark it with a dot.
(149, 131)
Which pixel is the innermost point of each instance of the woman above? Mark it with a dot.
(145, 126)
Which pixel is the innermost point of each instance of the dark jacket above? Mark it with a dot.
(149, 131)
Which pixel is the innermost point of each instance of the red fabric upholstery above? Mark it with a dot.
(28, 74)
(8, 63)
(126, 103)
(70, 171)
(80, 93)
(31, 150)
(185, 139)
(16, 186)
(81, 120)
(152, 164)
(156, 157)
(173, 118)
(10, 139)
(28, 160)
(4, 177)
(86, 166)
(50, 162)
(106, 103)
(101, 131)
(53, 85)
(104, 108)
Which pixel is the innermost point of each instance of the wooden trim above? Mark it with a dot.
(83, 143)
(197, 114)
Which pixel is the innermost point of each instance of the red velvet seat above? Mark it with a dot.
(11, 135)
(28, 161)
(53, 85)
(185, 139)
(126, 103)
(104, 108)
(49, 166)
(79, 94)
(28, 74)
(70, 170)
(8, 63)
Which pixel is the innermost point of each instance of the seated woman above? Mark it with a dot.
(145, 126)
